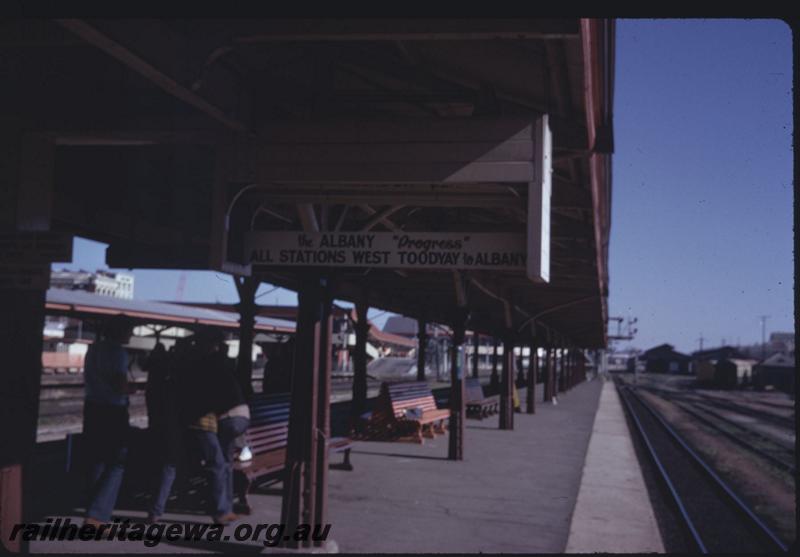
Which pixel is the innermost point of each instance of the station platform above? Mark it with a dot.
(613, 513)
(515, 491)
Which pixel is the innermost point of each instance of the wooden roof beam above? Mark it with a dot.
(275, 30)
(152, 71)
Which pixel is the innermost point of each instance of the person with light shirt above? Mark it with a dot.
(105, 418)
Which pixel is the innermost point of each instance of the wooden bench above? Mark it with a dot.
(390, 417)
(479, 406)
(267, 437)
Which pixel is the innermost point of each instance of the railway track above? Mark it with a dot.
(764, 415)
(715, 518)
(777, 454)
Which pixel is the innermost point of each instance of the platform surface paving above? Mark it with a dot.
(515, 491)
(613, 513)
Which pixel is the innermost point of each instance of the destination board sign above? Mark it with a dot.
(539, 191)
(422, 250)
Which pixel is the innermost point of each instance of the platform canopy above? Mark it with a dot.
(189, 143)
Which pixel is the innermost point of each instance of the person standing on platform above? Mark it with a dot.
(105, 418)
(278, 371)
(216, 412)
(233, 418)
(164, 424)
(157, 368)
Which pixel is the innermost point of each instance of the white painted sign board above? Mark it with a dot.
(538, 268)
(434, 250)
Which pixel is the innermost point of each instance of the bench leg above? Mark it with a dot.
(439, 428)
(419, 433)
(345, 464)
(242, 489)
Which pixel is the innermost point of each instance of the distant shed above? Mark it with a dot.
(733, 372)
(777, 371)
(665, 359)
(704, 370)
(704, 362)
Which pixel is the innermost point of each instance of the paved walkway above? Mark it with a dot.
(613, 513)
(515, 491)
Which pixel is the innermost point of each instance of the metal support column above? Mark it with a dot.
(246, 286)
(302, 462)
(21, 325)
(323, 412)
(572, 368)
(507, 384)
(458, 409)
(27, 165)
(359, 404)
(422, 345)
(476, 343)
(533, 372)
(495, 380)
(546, 375)
(568, 369)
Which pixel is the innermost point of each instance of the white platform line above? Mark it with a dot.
(613, 512)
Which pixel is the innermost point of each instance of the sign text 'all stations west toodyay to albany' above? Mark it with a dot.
(434, 250)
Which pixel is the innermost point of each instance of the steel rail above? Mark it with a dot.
(701, 413)
(763, 415)
(740, 505)
(779, 463)
(663, 472)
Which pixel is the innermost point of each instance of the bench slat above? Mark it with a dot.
(417, 394)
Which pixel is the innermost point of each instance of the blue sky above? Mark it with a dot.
(702, 202)
(701, 237)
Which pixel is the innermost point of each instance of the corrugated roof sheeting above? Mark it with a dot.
(80, 302)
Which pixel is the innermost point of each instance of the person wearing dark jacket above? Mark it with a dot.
(216, 412)
(161, 396)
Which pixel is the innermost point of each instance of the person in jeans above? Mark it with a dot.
(213, 401)
(163, 416)
(105, 418)
(233, 418)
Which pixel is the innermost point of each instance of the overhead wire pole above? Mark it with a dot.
(763, 336)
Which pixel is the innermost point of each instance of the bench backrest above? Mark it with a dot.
(473, 389)
(403, 396)
(269, 423)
